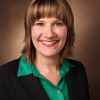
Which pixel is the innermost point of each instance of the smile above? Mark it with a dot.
(49, 43)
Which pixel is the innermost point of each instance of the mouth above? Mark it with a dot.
(49, 43)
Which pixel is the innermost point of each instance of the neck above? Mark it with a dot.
(47, 64)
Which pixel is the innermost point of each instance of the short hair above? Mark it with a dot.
(49, 8)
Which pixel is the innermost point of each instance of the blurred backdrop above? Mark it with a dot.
(87, 29)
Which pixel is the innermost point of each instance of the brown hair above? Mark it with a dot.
(48, 8)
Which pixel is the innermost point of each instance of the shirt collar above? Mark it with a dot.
(26, 67)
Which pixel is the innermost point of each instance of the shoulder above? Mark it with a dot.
(8, 76)
(10, 67)
(78, 69)
(74, 62)
(78, 74)
(77, 64)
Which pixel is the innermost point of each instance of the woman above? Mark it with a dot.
(44, 72)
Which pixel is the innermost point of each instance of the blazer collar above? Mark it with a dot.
(34, 85)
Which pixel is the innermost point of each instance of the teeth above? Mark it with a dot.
(49, 43)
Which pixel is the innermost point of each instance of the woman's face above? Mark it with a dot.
(48, 36)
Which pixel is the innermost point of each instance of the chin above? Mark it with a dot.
(51, 55)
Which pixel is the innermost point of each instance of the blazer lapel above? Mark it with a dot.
(71, 83)
(34, 85)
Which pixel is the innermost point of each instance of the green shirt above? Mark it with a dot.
(59, 92)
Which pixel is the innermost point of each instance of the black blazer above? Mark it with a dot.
(29, 88)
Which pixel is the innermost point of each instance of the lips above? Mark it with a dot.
(49, 43)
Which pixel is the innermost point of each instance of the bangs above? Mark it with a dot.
(47, 8)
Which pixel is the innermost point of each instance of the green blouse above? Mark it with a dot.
(59, 92)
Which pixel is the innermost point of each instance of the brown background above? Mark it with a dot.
(87, 28)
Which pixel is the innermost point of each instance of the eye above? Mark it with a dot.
(39, 24)
(58, 24)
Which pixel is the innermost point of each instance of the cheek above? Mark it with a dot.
(35, 33)
(63, 34)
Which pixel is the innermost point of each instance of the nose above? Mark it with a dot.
(49, 32)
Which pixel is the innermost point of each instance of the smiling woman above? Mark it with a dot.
(44, 64)
(48, 8)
